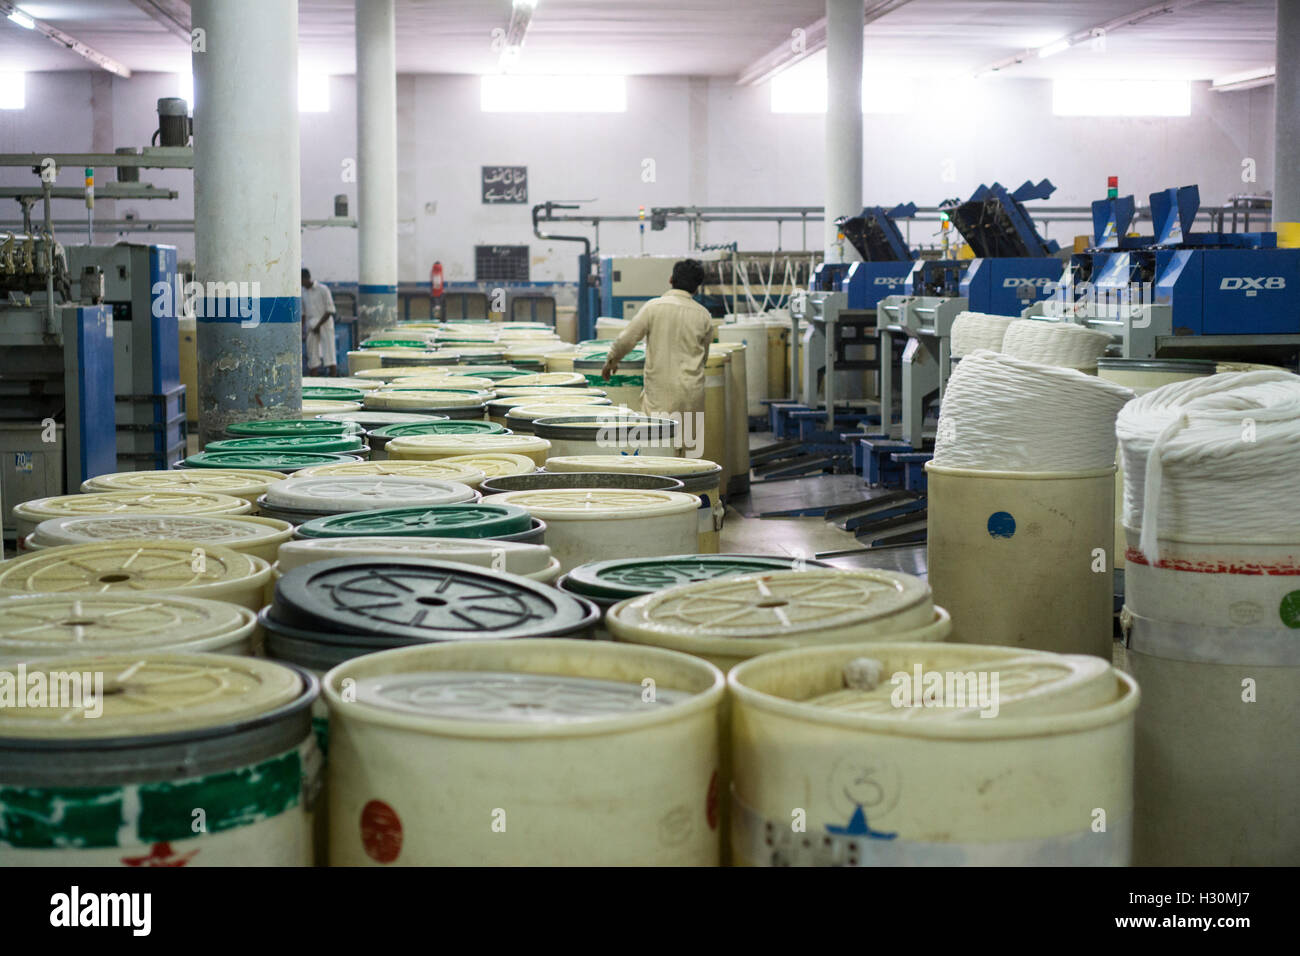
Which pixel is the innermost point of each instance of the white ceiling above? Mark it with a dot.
(1208, 39)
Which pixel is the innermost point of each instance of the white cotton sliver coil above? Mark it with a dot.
(972, 331)
(1213, 459)
(1055, 343)
(1003, 414)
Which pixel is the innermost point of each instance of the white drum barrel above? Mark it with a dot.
(520, 418)
(624, 386)
(778, 360)
(502, 407)
(120, 780)
(54, 625)
(132, 565)
(711, 441)
(1212, 610)
(599, 433)
(29, 514)
(476, 755)
(1023, 559)
(754, 337)
(1210, 636)
(596, 524)
(699, 476)
(1014, 757)
(729, 620)
(737, 419)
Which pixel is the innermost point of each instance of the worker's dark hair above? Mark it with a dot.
(688, 275)
(306, 273)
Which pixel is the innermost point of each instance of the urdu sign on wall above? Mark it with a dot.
(505, 184)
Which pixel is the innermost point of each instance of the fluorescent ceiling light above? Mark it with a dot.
(1093, 97)
(1247, 80)
(22, 19)
(517, 93)
(13, 91)
(1060, 46)
(313, 93)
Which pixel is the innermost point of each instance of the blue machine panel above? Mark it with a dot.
(1007, 286)
(869, 282)
(97, 437)
(1179, 276)
(828, 276)
(1249, 291)
(166, 357)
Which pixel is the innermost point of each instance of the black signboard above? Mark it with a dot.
(505, 184)
(501, 263)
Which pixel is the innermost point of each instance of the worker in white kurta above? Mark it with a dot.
(677, 332)
(318, 326)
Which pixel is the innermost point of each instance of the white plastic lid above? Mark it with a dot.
(515, 556)
(597, 503)
(338, 493)
(778, 603)
(314, 408)
(425, 398)
(507, 697)
(443, 470)
(940, 685)
(491, 465)
(153, 693)
(132, 502)
(226, 481)
(638, 464)
(127, 565)
(238, 531)
(45, 625)
(451, 445)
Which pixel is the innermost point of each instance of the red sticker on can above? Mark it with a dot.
(381, 831)
(711, 802)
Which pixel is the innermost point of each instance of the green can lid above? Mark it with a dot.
(278, 443)
(394, 343)
(433, 388)
(464, 426)
(636, 355)
(442, 521)
(631, 577)
(266, 461)
(268, 427)
(494, 376)
(332, 393)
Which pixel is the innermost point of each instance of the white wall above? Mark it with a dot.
(712, 143)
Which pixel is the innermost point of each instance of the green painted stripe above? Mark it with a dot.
(93, 817)
(616, 381)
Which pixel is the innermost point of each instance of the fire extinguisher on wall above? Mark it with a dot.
(435, 289)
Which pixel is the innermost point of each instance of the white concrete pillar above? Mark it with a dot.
(376, 166)
(844, 28)
(1286, 107)
(247, 239)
